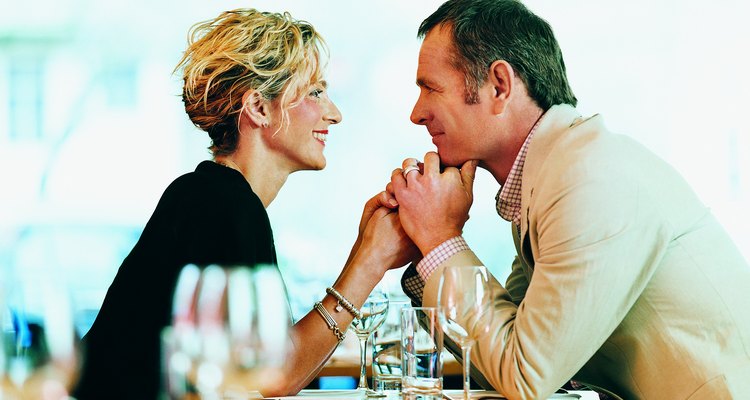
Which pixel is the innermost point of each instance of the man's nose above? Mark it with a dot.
(419, 113)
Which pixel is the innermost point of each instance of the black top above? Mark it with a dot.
(210, 216)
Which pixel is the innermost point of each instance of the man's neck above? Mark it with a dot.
(519, 124)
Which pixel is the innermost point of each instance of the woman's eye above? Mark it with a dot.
(316, 93)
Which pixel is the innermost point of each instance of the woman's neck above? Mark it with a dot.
(260, 169)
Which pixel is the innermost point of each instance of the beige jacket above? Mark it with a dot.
(623, 280)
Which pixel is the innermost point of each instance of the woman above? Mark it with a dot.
(253, 82)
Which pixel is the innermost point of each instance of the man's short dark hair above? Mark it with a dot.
(488, 30)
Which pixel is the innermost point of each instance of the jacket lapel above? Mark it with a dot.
(554, 122)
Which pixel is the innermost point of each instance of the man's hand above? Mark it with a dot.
(433, 205)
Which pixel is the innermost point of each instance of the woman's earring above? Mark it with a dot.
(265, 124)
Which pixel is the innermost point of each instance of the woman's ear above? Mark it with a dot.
(502, 77)
(256, 108)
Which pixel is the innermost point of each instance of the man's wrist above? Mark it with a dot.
(427, 246)
(439, 254)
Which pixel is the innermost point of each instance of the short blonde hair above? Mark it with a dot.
(244, 49)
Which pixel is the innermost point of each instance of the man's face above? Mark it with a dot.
(459, 130)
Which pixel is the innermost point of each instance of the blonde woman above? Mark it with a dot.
(254, 82)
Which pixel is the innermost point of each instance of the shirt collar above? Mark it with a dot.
(508, 199)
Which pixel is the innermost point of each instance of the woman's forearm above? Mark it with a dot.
(313, 342)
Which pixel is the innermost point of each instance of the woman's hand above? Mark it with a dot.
(382, 242)
(384, 239)
(382, 199)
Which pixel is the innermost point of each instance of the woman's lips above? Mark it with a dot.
(321, 135)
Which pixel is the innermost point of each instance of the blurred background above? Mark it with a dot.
(92, 128)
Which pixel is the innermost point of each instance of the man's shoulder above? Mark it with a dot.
(588, 142)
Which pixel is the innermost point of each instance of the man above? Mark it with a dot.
(623, 280)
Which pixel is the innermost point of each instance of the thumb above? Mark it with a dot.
(468, 171)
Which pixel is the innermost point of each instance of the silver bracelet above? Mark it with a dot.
(344, 303)
(332, 325)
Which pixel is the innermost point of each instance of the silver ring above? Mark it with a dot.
(409, 161)
(408, 169)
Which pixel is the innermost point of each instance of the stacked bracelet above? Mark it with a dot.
(344, 303)
(332, 325)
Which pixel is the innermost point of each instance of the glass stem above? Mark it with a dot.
(362, 362)
(466, 350)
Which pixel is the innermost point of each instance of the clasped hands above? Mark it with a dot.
(421, 207)
(433, 204)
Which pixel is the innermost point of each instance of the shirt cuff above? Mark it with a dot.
(413, 285)
(439, 254)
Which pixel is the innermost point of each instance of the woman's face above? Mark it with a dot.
(303, 139)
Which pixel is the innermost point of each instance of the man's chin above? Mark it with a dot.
(446, 160)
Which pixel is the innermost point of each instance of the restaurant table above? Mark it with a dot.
(447, 395)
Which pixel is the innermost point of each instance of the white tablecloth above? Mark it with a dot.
(449, 394)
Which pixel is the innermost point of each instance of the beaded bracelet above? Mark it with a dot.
(344, 303)
(332, 325)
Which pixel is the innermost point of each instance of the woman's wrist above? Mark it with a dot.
(358, 279)
(367, 267)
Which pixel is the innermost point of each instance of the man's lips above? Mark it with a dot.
(434, 133)
(435, 136)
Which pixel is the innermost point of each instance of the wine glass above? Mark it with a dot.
(259, 339)
(373, 311)
(221, 341)
(464, 295)
(40, 353)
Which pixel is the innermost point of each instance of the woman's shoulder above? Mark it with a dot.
(214, 187)
(212, 179)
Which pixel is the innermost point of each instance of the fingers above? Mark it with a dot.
(400, 176)
(396, 174)
(409, 169)
(409, 162)
(380, 200)
(390, 190)
(409, 165)
(387, 199)
(384, 200)
(468, 172)
(431, 163)
(380, 213)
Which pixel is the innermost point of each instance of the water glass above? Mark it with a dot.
(421, 354)
(386, 351)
